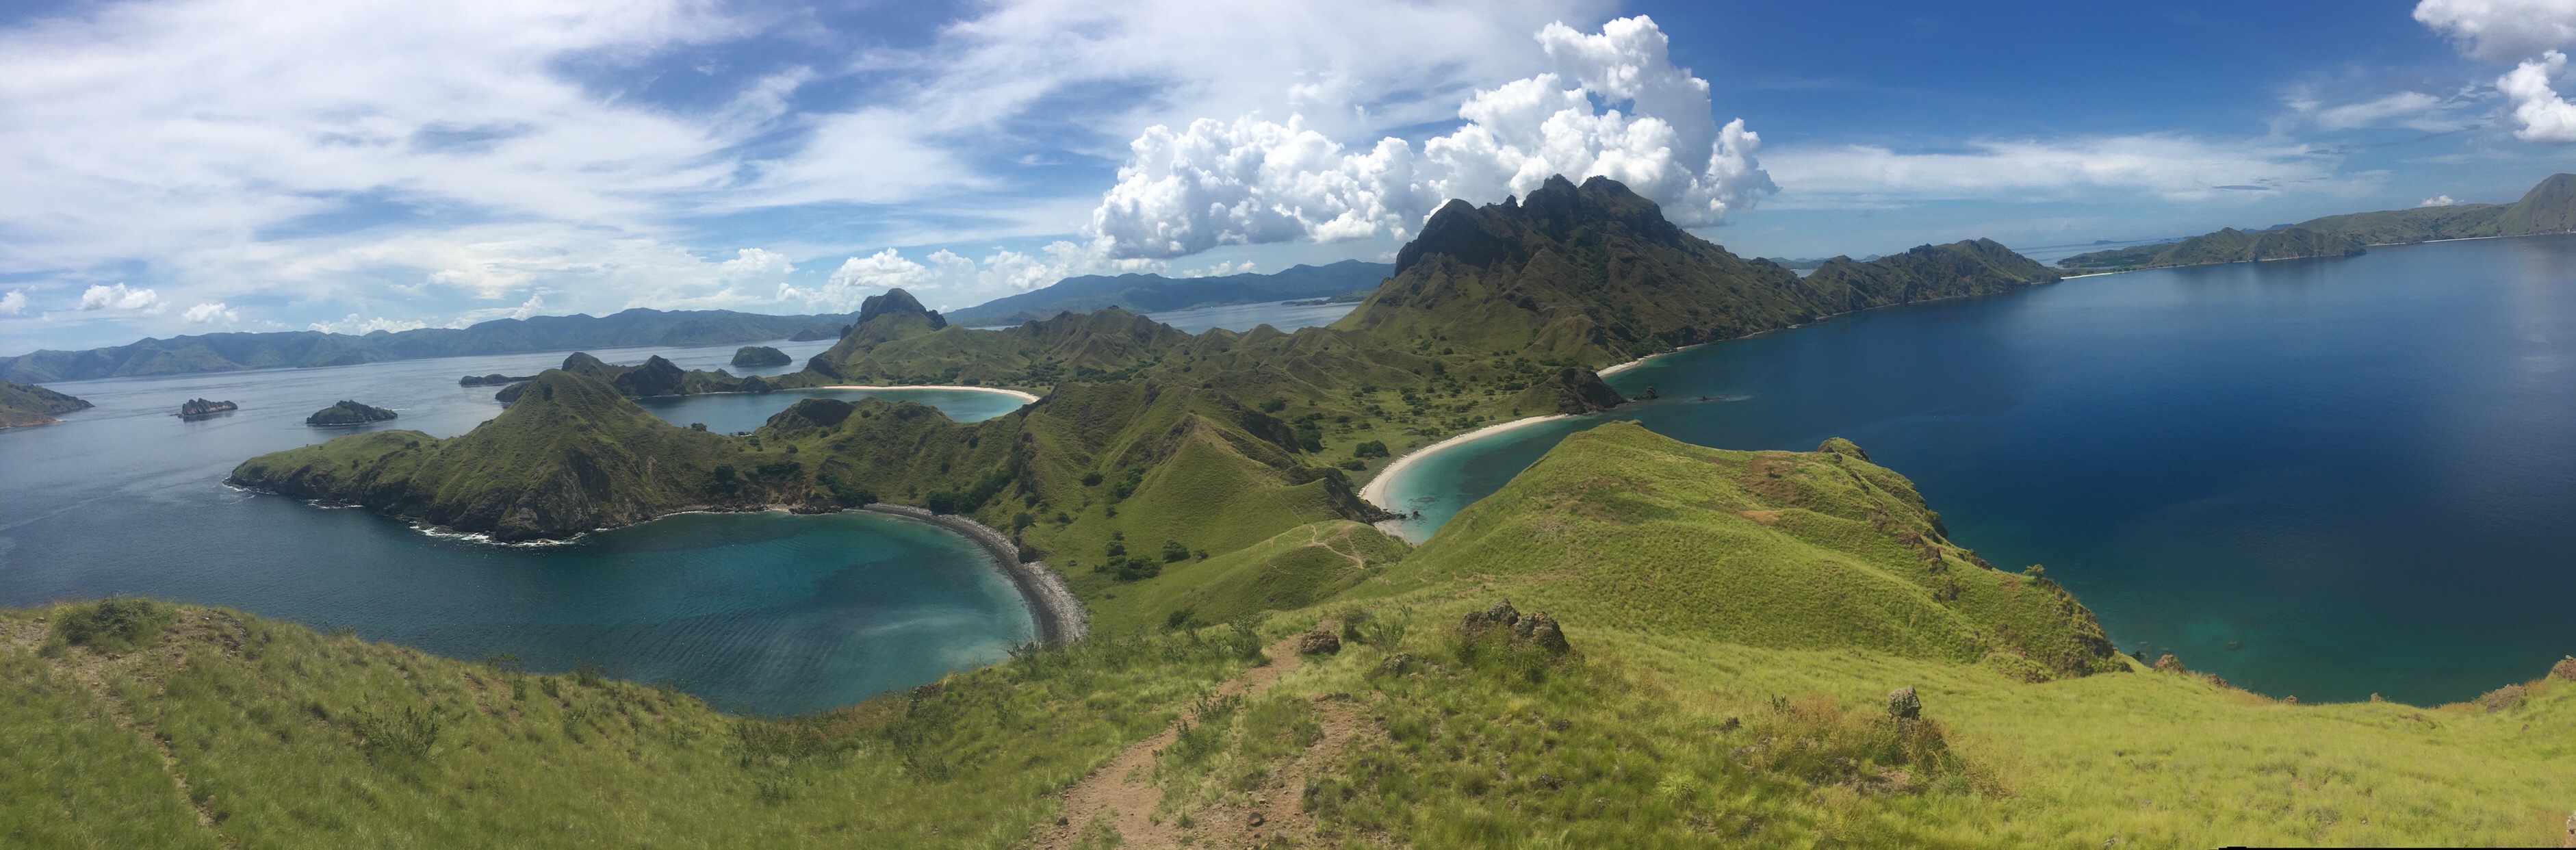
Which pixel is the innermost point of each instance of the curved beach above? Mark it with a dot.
(1025, 398)
(1375, 492)
(1059, 617)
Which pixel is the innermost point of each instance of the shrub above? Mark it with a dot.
(1091, 479)
(115, 625)
(2503, 698)
(941, 502)
(1174, 551)
(1274, 405)
(1372, 448)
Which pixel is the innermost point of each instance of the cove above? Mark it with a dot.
(2321, 478)
(762, 613)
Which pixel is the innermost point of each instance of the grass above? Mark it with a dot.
(288, 738)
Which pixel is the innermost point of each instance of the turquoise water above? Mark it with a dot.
(2320, 478)
(762, 613)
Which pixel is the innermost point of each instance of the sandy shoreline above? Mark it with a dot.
(1059, 617)
(1025, 398)
(1375, 491)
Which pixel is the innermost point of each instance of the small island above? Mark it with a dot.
(760, 357)
(492, 380)
(197, 407)
(349, 413)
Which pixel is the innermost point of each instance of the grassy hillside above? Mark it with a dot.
(1738, 622)
(1805, 550)
(28, 404)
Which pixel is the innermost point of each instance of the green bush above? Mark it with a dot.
(1372, 448)
(1274, 405)
(115, 625)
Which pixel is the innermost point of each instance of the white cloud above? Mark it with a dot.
(2173, 167)
(212, 313)
(13, 303)
(1252, 181)
(2409, 109)
(118, 297)
(1219, 270)
(2502, 30)
(360, 327)
(2543, 114)
(2436, 201)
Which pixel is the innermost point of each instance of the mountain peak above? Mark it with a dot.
(897, 301)
(1556, 210)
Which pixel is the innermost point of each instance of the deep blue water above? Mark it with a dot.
(2359, 471)
(757, 612)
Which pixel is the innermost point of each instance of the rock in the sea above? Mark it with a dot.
(1903, 704)
(349, 413)
(1321, 641)
(202, 407)
(760, 357)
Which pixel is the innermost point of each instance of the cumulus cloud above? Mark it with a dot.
(13, 303)
(119, 297)
(355, 325)
(2174, 167)
(1615, 105)
(212, 313)
(2502, 30)
(2544, 116)
(2436, 201)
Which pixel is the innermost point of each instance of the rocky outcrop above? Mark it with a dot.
(349, 413)
(1534, 630)
(202, 407)
(1321, 641)
(1574, 390)
(897, 301)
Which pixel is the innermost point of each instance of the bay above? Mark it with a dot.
(2316, 478)
(763, 613)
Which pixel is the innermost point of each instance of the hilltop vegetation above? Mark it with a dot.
(1741, 624)
(28, 404)
(2549, 207)
(1693, 708)
(349, 413)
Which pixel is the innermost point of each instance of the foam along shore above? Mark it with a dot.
(1059, 617)
(1025, 398)
(1375, 492)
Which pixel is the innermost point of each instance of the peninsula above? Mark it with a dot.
(2549, 207)
(22, 405)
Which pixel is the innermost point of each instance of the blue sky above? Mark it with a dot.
(188, 166)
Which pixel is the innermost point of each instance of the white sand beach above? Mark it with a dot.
(1025, 398)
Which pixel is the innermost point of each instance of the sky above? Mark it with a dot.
(194, 166)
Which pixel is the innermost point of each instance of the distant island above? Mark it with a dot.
(22, 405)
(656, 376)
(348, 413)
(1151, 293)
(229, 352)
(760, 357)
(492, 380)
(2548, 208)
(203, 407)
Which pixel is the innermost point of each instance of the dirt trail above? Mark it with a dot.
(1124, 795)
(91, 669)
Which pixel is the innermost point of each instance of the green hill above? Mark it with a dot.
(28, 404)
(2549, 207)
(349, 413)
(1765, 650)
